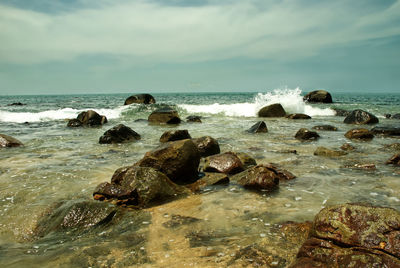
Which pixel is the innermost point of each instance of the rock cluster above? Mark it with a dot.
(89, 118)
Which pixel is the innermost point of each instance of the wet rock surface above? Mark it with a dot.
(207, 146)
(119, 134)
(305, 134)
(347, 147)
(8, 141)
(89, 118)
(321, 96)
(298, 116)
(140, 99)
(209, 179)
(259, 127)
(394, 160)
(164, 115)
(359, 134)
(258, 178)
(325, 128)
(273, 110)
(361, 117)
(175, 135)
(193, 119)
(341, 112)
(228, 163)
(386, 131)
(323, 151)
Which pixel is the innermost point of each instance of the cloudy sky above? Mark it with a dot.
(117, 46)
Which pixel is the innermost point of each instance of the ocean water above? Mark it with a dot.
(60, 164)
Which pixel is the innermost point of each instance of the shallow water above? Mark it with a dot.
(61, 164)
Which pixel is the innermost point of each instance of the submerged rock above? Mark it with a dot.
(89, 118)
(119, 134)
(359, 134)
(246, 159)
(322, 151)
(207, 180)
(8, 141)
(259, 127)
(321, 96)
(325, 128)
(298, 116)
(393, 146)
(273, 110)
(361, 117)
(394, 160)
(305, 134)
(140, 98)
(16, 104)
(228, 163)
(165, 115)
(193, 119)
(207, 146)
(175, 135)
(386, 131)
(341, 112)
(347, 147)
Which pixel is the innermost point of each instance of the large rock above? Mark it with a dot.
(207, 146)
(175, 135)
(322, 151)
(119, 134)
(318, 96)
(258, 177)
(246, 159)
(325, 127)
(386, 131)
(140, 98)
(228, 163)
(359, 134)
(88, 118)
(273, 110)
(361, 117)
(8, 141)
(259, 127)
(165, 116)
(298, 116)
(139, 187)
(179, 160)
(305, 134)
(394, 160)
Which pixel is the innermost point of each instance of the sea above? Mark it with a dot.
(58, 166)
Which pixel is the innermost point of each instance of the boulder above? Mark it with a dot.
(179, 160)
(8, 141)
(119, 134)
(394, 160)
(164, 115)
(359, 134)
(88, 118)
(347, 147)
(321, 96)
(305, 134)
(193, 119)
(175, 135)
(298, 116)
(207, 146)
(140, 98)
(258, 178)
(325, 128)
(322, 151)
(361, 117)
(273, 110)
(138, 187)
(283, 174)
(246, 159)
(341, 112)
(259, 127)
(209, 179)
(227, 163)
(386, 131)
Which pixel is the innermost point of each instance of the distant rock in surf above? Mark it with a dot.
(273, 110)
(259, 127)
(175, 135)
(89, 118)
(16, 104)
(8, 141)
(361, 117)
(119, 134)
(140, 98)
(298, 116)
(193, 119)
(164, 115)
(320, 96)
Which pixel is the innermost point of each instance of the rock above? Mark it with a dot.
(387, 116)
(227, 163)
(259, 127)
(347, 147)
(386, 131)
(246, 160)
(393, 146)
(259, 178)
(298, 116)
(341, 112)
(138, 187)
(119, 134)
(74, 123)
(209, 179)
(178, 220)
(360, 166)
(283, 174)
(8, 141)
(322, 151)
(359, 134)
(175, 135)
(394, 160)
(140, 120)
(321, 96)
(305, 134)
(273, 110)
(361, 117)
(165, 116)
(16, 104)
(88, 118)
(325, 128)
(179, 160)
(395, 116)
(140, 98)
(207, 146)
(193, 119)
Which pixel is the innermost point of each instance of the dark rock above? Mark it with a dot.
(359, 134)
(140, 98)
(88, 118)
(8, 141)
(387, 116)
(305, 134)
(361, 117)
(322, 151)
(207, 180)
(165, 116)
(16, 104)
(246, 159)
(227, 163)
(298, 116)
(393, 146)
(347, 147)
(394, 160)
(175, 135)
(178, 220)
(259, 178)
(179, 160)
(386, 131)
(321, 96)
(259, 127)
(140, 120)
(325, 127)
(283, 174)
(395, 116)
(119, 134)
(207, 146)
(193, 119)
(341, 112)
(74, 123)
(139, 187)
(273, 110)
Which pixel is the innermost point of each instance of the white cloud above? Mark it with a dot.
(151, 32)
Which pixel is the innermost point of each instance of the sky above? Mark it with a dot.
(128, 46)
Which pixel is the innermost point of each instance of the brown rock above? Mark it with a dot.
(347, 147)
(298, 116)
(321, 96)
(175, 135)
(207, 146)
(322, 151)
(209, 179)
(119, 134)
(246, 159)
(193, 119)
(227, 163)
(8, 141)
(164, 116)
(259, 127)
(359, 134)
(325, 128)
(305, 134)
(88, 118)
(273, 110)
(361, 117)
(140, 98)
(394, 160)
(259, 178)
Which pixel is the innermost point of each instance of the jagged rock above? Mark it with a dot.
(361, 117)
(207, 146)
(207, 180)
(140, 98)
(259, 127)
(273, 110)
(228, 163)
(193, 119)
(394, 160)
(347, 147)
(298, 116)
(164, 115)
(359, 134)
(322, 151)
(175, 135)
(119, 134)
(258, 177)
(8, 141)
(88, 118)
(305, 134)
(386, 131)
(321, 96)
(325, 127)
